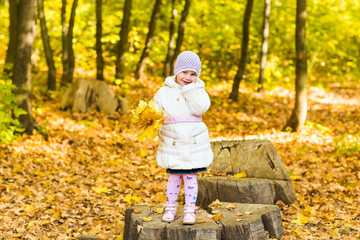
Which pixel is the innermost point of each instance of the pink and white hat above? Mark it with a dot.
(188, 60)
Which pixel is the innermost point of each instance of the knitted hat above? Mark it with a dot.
(189, 61)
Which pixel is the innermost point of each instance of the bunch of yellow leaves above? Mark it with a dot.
(148, 118)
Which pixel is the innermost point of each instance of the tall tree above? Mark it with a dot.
(298, 115)
(99, 57)
(22, 61)
(123, 42)
(145, 54)
(244, 49)
(264, 45)
(51, 82)
(181, 31)
(10, 54)
(171, 44)
(67, 37)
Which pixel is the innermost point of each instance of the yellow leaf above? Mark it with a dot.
(238, 214)
(231, 206)
(215, 204)
(143, 153)
(201, 221)
(147, 219)
(240, 175)
(119, 237)
(138, 210)
(248, 212)
(295, 177)
(300, 219)
(29, 208)
(238, 220)
(329, 176)
(101, 190)
(129, 198)
(159, 210)
(217, 217)
(139, 228)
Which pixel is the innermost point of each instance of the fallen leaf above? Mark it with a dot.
(138, 210)
(217, 217)
(248, 212)
(240, 175)
(159, 210)
(231, 206)
(238, 220)
(147, 219)
(215, 204)
(238, 214)
(201, 221)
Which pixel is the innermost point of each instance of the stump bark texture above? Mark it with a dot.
(88, 94)
(267, 180)
(254, 224)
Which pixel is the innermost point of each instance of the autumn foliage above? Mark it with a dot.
(78, 173)
(148, 119)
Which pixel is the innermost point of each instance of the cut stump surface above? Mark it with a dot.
(143, 222)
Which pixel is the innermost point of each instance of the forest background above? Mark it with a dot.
(77, 173)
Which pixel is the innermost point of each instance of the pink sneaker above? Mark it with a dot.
(169, 211)
(190, 211)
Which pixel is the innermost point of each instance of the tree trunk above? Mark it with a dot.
(264, 46)
(244, 49)
(99, 57)
(152, 25)
(65, 48)
(70, 38)
(123, 43)
(68, 52)
(167, 65)
(51, 82)
(298, 115)
(22, 60)
(10, 55)
(181, 31)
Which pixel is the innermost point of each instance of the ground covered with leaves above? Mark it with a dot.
(78, 173)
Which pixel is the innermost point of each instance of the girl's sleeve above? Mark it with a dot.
(157, 101)
(197, 98)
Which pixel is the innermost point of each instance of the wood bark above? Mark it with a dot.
(68, 51)
(298, 115)
(123, 42)
(181, 31)
(51, 81)
(11, 51)
(244, 49)
(65, 48)
(22, 61)
(267, 180)
(99, 56)
(152, 25)
(248, 226)
(264, 44)
(171, 44)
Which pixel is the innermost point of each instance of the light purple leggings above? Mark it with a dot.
(190, 187)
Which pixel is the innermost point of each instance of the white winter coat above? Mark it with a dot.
(183, 145)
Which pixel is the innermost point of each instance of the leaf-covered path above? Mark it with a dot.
(80, 174)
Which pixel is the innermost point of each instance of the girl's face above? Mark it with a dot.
(186, 77)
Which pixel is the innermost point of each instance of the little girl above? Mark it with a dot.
(184, 148)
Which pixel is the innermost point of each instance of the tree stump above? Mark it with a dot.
(266, 181)
(255, 220)
(88, 94)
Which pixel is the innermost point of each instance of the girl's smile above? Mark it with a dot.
(186, 77)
